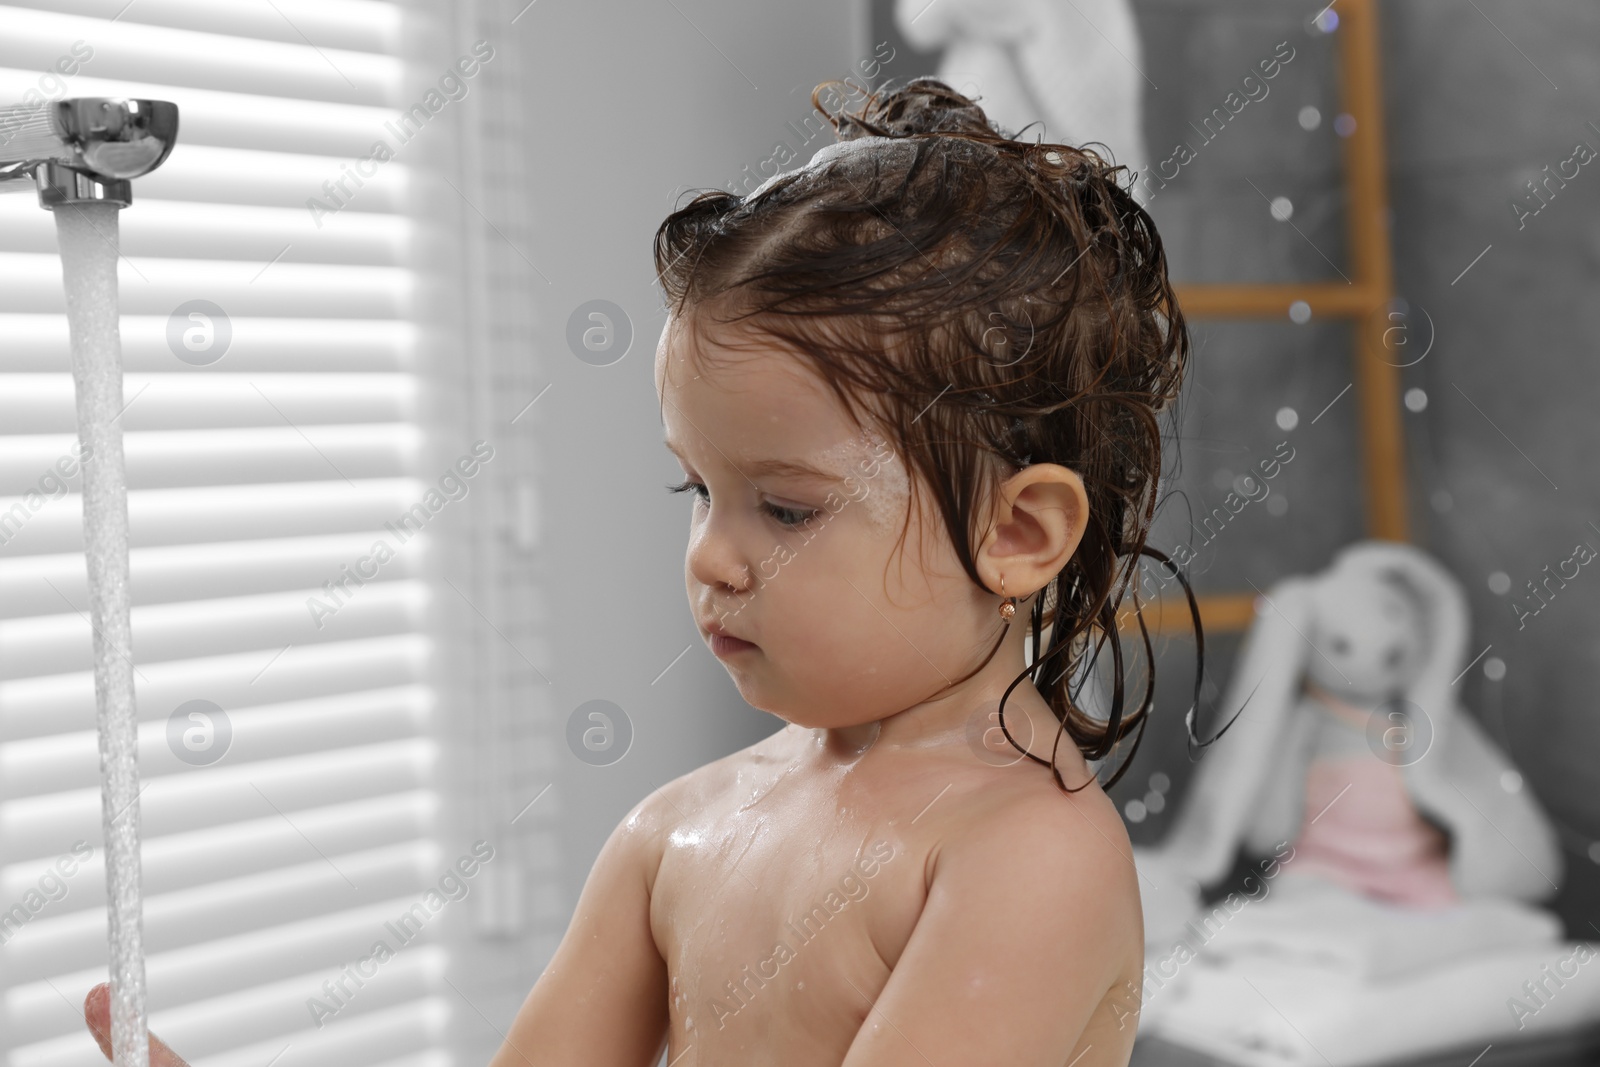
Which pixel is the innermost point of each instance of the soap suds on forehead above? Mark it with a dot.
(875, 466)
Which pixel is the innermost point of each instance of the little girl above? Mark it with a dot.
(913, 387)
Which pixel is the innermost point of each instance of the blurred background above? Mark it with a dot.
(394, 461)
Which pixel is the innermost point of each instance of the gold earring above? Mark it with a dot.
(1009, 607)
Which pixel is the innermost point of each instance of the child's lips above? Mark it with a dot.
(723, 643)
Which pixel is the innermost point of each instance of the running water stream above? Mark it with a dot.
(87, 234)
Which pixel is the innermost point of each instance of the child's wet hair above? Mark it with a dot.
(983, 303)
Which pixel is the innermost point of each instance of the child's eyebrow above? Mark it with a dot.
(781, 467)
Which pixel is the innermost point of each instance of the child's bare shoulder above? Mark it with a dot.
(1015, 834)
(1031, 912)
(1052, 834)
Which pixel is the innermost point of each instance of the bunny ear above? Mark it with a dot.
(1264, 685)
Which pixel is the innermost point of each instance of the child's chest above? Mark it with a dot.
(780, 909)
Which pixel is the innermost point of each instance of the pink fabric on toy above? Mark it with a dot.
(1362, 831)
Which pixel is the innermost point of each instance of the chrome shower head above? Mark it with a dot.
(85, 148)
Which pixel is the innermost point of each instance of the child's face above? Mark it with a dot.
(847, 628)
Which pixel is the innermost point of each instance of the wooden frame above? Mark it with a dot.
(1365, 301)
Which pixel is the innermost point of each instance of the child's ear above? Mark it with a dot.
(1039, 519)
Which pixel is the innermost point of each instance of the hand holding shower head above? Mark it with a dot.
(85, 148)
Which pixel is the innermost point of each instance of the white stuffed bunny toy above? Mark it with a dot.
(1395, 916)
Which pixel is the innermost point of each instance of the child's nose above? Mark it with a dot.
(714, 559)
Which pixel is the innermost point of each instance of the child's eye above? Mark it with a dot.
(788, 516)
(784, 516)
(685, 486)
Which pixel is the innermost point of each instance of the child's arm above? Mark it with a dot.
(1031, 917)
(602, 1000)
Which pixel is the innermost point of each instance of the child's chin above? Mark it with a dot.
(755, 694)
(783, 704)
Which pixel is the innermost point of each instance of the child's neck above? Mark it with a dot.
(954, 715)
(846, 744)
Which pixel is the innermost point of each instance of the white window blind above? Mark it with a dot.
(253, 481)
